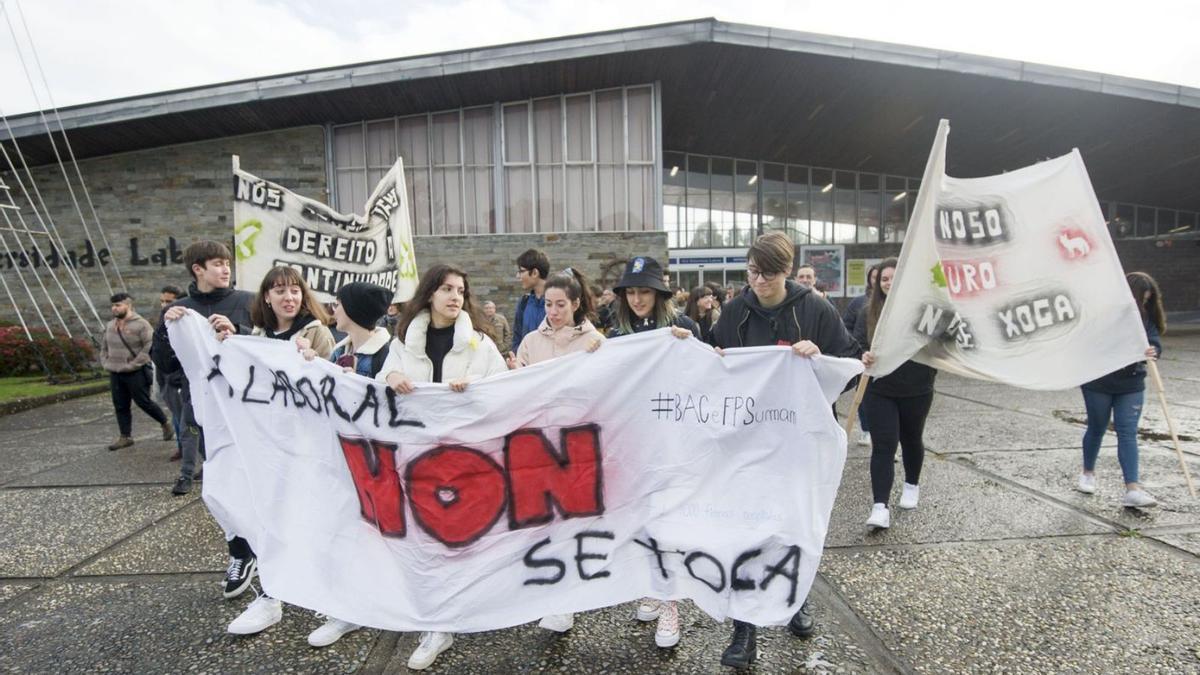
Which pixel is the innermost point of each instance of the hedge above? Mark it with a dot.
(62, 355)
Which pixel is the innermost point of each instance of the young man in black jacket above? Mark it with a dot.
(227, 311)
(774, 310)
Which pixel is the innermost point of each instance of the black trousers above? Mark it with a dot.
(135, 387)
(895, 420)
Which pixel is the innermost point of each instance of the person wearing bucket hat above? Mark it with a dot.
(644, 302)
(775, 310)
(358, 309)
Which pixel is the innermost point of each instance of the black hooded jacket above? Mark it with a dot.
(234, 305)
(803, 315)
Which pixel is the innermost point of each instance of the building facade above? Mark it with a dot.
(682, 141)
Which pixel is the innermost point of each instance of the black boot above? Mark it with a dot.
(802, 624)
(741, 651)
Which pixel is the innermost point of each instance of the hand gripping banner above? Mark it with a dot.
(274, 226)
(653, 467)
(1011, 278)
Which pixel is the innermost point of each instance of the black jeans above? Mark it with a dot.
(895, 420)
(135, 387)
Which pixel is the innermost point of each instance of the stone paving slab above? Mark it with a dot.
(146, 461)
(612, 640)
(1188, 541)
(957, 504)
(45, 531)
(161, 626)
(9, 590)
(999, 430)
(1076, 604)
(83, 410)
(188, 541)
(1056, 473)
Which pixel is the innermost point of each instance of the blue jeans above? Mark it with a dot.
(1125, 411)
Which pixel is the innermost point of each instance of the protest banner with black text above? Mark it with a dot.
(1011, 278)
(652, 467)
(274, 226)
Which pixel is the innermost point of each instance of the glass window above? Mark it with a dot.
(745, 204)
(1187, 222)
(640, 101)
(675, 199)
(1166, 221)
(699, 224)
(735, 278)
(721, 182)
(1122, 225)
(845, 212)
(579, 128)
(1145, 221)
(895, 208)
(576, 162)
(869, 208)
(821, 191)
(774, 199)
(799, 201)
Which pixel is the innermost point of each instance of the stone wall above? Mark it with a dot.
(152, 204)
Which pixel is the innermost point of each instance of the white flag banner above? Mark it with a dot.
(1011, 278)
(275, 226)
(652, 467)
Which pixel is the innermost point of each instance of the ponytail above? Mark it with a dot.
(576, 286)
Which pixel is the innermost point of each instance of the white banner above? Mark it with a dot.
(652, 467)
(274, 226)
(1012, 278)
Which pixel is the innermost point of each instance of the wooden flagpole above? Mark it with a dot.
(858, 397)
(1162, 398)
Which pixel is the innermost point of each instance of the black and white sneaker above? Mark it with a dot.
(239, 575)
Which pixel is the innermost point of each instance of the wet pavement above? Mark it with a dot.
(1004, 567)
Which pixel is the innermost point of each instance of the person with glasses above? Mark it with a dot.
(775, 310)
(533, 267)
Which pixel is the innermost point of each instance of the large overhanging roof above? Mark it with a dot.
(727, 89)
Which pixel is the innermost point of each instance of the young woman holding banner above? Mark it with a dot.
(441, 337)
(897, 405)
(285, 309)
(1119, 395)
(566, 329)
(643, 303)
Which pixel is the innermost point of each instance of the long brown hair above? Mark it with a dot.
(572, 282)
(1151, 308)
(664, 312)
(693, 304)
(431, 280)
(876, 300)
(261, 314)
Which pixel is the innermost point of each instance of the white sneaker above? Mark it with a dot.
(263, 613)
(330, 632)
(666, 634)
(880, 517)
(648, 609)
(864, 438)
(559, 623)
(910, 496)
(1137, 498)
(432, 644)
(1087, 483)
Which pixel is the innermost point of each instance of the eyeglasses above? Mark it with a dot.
(754, 273)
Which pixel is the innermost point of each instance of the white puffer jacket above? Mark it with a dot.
(474, 356)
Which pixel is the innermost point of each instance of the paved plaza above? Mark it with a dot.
(1002, 568)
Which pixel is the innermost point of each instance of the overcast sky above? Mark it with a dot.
(93, 51)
